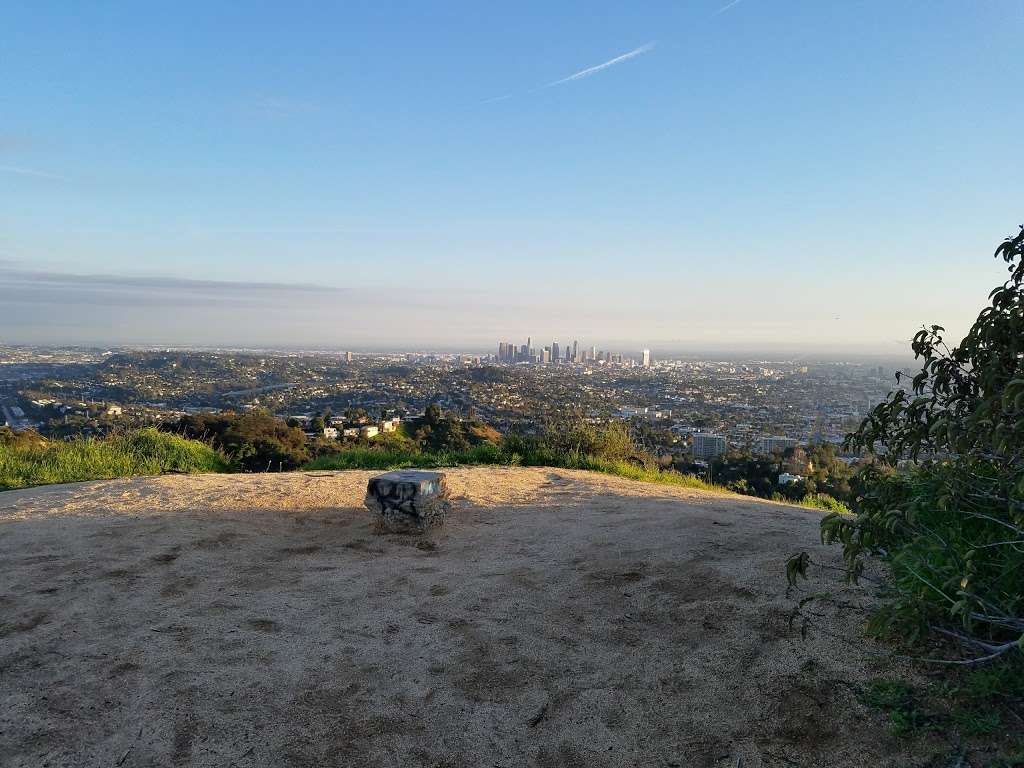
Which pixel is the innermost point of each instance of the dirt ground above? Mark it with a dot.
(559, 619)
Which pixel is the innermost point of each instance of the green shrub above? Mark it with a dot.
(438, 431)
(824, 502)
(146, 452)
(951, 525)
(253, 442)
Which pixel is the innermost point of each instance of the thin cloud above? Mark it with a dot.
(496, 98)
(727, 6)
(32, 172)
(21, 287)
(610, 63)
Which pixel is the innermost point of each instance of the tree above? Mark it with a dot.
(356, 415)
(440, 431)
(255, 442)
(951, 526)
(432, 415)
(799, 489)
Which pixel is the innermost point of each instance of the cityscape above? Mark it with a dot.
(693, 409)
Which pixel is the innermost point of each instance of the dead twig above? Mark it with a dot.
(783, 758)
(130, 748)
(535, 720)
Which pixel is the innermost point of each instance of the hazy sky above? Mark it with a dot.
(702, 173)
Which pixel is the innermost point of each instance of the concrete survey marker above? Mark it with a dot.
(408, 501)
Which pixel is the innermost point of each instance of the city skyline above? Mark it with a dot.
(510, 352)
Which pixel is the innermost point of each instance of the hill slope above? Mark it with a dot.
(561, 618)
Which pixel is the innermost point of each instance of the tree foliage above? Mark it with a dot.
(254, 442)
(822, 473)
(951, 523)
(440, 431)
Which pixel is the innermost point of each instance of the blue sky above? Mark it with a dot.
(767, 173)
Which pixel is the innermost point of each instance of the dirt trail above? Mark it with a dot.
(560, 619)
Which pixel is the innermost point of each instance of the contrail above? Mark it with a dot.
(32, 173)
(612, 62)
(726, 7)
(495, 98)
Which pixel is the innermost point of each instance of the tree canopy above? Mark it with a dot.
(255, 442)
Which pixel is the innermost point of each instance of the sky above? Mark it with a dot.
(686, 175)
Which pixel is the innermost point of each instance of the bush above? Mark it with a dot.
(146, 452)
(438, 431)
(571, 441)
(252, 442)
(825, 502)
(951, 524)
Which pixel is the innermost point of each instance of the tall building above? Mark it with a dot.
(647, 358)
(708, 446)
(770, 444)
(348, 357)
(575, 351)
(554, 352)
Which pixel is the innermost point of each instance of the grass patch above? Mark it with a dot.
(899, 700)
(982, 707)
(145, 452)
(824, 502)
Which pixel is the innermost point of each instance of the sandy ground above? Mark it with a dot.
(559, 619)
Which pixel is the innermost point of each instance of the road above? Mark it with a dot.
(11, 420)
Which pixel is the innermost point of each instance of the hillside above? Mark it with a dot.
(561, 618)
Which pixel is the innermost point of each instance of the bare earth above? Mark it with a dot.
(560, 619)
